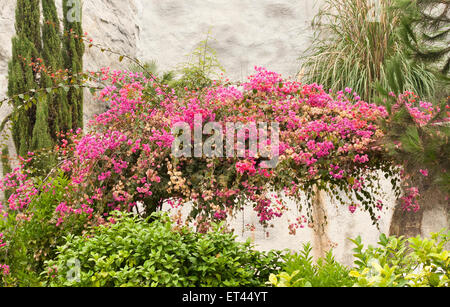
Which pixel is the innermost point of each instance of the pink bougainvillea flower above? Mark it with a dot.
(424, 172)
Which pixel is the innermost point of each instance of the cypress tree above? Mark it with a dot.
(41, 138)
(73, 57)
(28, 21)
(26, 46)
(57, 106)
(6, 164)
(36, 126)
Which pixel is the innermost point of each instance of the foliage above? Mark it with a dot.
(6, 164)
(157, 253)
(73, 52)
(434, 259)
(299, 270)
(31, 233)
(38, 62)
(417, 136)
(21, 76)
(57, 106)
(425, 30)
(354, 46)
(326, 140)
(150, 70)
(399, 262)
(41, 138)
(201, 68)
(284, 280)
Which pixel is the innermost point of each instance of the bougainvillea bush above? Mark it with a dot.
(29, 230)
(330, 141)
(327, 141)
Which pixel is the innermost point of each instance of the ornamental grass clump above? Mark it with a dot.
(358, 45)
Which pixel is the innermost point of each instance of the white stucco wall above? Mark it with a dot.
(247, 33)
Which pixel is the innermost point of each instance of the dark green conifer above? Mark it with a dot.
(36, 125)
(26, 46)
(73, 57)
(59, 118)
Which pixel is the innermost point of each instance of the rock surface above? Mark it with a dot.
(7, 18)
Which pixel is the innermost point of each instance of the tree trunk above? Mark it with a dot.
(321, 244)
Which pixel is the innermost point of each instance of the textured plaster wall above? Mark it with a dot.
(247, 33)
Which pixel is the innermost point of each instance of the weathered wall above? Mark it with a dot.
(247, 33)
(7, 9)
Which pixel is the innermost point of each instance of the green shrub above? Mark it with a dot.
(135, 252)
(201, 68)
(399, 262)
(300, 271)
(32, 235)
